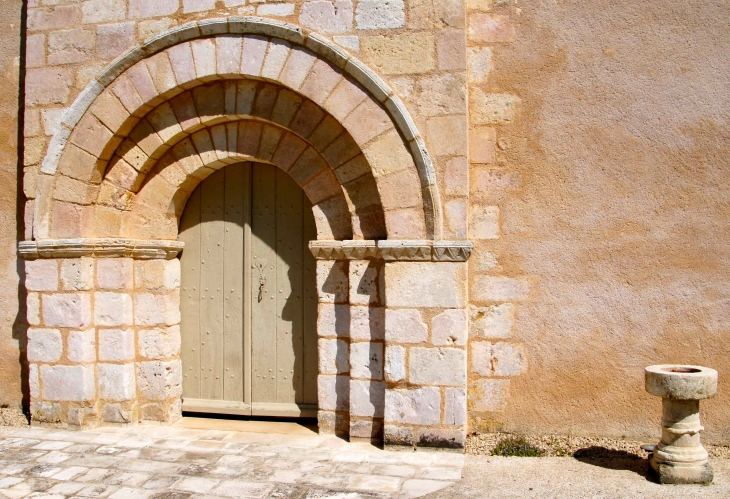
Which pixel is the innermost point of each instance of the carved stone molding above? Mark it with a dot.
(104, 248)
(393, 250)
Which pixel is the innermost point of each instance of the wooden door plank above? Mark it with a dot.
(263, 282)
(288, 289)
(247, 259)
(211, 300)
(309, 307)
(190, 296)
(235, 198)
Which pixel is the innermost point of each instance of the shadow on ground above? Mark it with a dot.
(613, 460)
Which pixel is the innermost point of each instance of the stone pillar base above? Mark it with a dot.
(679, 474)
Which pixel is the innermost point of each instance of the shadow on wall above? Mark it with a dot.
(20, 325)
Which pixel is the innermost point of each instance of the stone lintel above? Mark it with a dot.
(104, 248)
(393, 250)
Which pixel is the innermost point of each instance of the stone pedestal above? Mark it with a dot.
(680, 458)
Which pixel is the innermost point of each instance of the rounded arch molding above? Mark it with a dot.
(281, 35)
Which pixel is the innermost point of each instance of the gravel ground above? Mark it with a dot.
(559, 446)
(12, 416)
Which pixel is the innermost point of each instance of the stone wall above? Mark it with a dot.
(104, 340)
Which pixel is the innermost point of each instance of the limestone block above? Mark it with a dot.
(157, 274)
(364, 282)
(418, 407)
(33, 309)
(333, 393)
(152, 310)
(499, 289)
(480, 63)
(112, 309)
(481, 358)
(45, 412)
(441, 95)
(395, 364)
(451, 49)
(425, 284)
(483, 222)
(280, 9)
(447, 135)
(455, 216)
(197, 5)
(456, 177)
(33, 382)
(367, 323)
(380, 14)
(405, 326)
(81, 346)
(116, 344)
(68, 383)
(144, 8)
(159, 380)
(398, 435)
(325, 16)
(490, 28)
(449, 328)
(332, 281)
(442, 438)
(410, 53)
(275, 58)
(160, 343)
(115, 413)
(48, 86)
(116, 381)
(437, 366)
(366, 360)
(334, 356)
(488, 395)
(491, 322)
(455, 407)
(509, 359)
(492, 108)
(114, 273)
(367, 398)
(69, 46)
(366, 429)
(333, 320)
(103, 11)
(44, 345)
(348, 41)
(41, 275)
(67, 310)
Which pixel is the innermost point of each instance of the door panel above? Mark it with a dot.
(248, 295)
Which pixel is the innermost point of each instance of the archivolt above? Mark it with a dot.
(154, 106)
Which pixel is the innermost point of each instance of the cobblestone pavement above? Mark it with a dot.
(165, 462)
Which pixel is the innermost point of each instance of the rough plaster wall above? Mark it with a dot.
(621, 212)
(10, 392)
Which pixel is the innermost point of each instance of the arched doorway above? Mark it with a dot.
(248, 295)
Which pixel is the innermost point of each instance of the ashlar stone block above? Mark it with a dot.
(68, 383)
(67, 310)
(395, 363)
(367, 398)
(425, 284)
(332, 281)
(41, 275)
(116, 344)
(455, 407)
(116, 381)
(151, 309)
(488, 395)
(498, 359)
(77, 274)
(159, 380)
(112, 309)
(33, 309)
(114, 273)
(405, 326)
(333, 320)
(437, 366)
(495, 321)
(325, 16)
(417, 407)
(449, 328)
(367, 323)
(160, 343)
(380, 14)
(366, 360)
(81, 346)
(334, 356)
(44, 345)
(333, 393)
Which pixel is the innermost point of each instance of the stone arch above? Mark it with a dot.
(122, 137)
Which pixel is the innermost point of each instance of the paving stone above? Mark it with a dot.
(418, 488)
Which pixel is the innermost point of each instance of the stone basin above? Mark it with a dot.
(681, 382)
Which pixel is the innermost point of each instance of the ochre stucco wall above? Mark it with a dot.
(10, 327)
(616, 206)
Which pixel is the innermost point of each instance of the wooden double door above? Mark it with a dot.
(248, 295)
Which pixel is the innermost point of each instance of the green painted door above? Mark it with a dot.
(248, 295)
